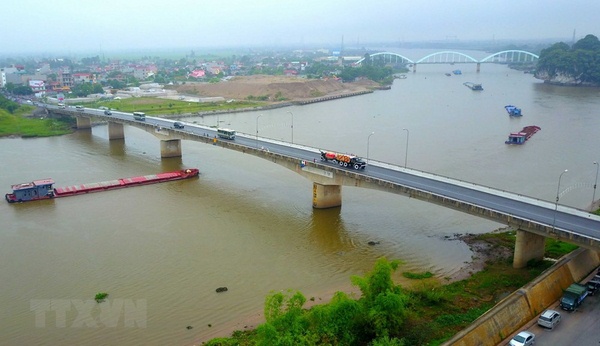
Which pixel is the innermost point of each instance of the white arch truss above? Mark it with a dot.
(446, 57)
(404, 59)
(511, 56)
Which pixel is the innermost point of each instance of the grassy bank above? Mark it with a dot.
(427, 312)
(158, 106)
(22, 124)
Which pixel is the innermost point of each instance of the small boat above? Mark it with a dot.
(457, 72)
(42, 189)
(513, 111)
(473, 86)
(448, 74)
(522, 136)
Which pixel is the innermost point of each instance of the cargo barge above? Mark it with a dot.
(523, 135)
(513, 111)
(42, 189)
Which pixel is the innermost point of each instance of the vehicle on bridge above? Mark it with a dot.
(139, 116)
(178, 125)
(226, 133)
(343, 160)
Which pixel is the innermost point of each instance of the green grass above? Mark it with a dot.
(19, 124)
(417, 276)
(157, 106)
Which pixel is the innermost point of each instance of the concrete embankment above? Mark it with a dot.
(526, 303)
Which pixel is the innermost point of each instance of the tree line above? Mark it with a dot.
(580, 61)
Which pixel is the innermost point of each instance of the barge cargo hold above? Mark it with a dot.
(523, 135)
(42, 189)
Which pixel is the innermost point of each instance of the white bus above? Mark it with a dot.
(139, 116)
(226, 133)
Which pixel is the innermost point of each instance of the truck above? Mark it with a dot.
(573, 297)
(344, 160)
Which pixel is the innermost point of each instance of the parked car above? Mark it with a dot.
(593, 286)
(178, 125)
(549, 319)
(524, 338)
(107, 112)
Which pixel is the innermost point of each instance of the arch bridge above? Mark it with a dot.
(454, 57)
(534, 219)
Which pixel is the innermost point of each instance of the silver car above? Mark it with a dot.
(524, 338)
(549, 319)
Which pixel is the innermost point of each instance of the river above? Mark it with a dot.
(247, 224)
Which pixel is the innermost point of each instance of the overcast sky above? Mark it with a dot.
(63, 26)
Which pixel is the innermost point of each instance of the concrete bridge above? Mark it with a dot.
(534, 219)
(453, 57)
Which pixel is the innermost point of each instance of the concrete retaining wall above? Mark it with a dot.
(525, 304)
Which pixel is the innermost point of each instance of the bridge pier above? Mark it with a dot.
(528, 246)
(478, 67)
(170, 148)
(115, 131)
(326, 196)
(414, 68)
(83, 123)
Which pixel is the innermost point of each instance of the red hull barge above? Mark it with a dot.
(523, 135)
(42, 189)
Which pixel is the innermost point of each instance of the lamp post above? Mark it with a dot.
(257, 129)
(368, 139)
(595, 183)
(292, 114)
(557, 198)
(406, 151)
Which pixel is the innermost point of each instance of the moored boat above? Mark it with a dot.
(513, 111)
(42, 189)
(473, 86)
(522, 136)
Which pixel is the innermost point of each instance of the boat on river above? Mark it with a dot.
(513, 111)
(473, 86)
(42, 189)
(522, 136)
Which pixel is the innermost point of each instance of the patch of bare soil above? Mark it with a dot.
(484, 251)
(287, 88)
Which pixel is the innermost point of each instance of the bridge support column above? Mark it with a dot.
(528, 246)
(115, 131)
(414, 68)
(170, 148)
(478, 67)
(326, 196)
(83, 123)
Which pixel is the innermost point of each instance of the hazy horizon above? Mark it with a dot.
(69, 27)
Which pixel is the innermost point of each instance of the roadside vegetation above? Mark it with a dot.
(426, 312)
(17, 120)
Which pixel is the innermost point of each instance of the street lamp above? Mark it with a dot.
(257, 129)
(595, 183)
(557, 197)
(406, 151)
(292, 126)
(368, 139)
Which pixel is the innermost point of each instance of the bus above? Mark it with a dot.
(226, 133)
(139, 116)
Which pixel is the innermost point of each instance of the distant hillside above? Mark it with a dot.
(576, 65)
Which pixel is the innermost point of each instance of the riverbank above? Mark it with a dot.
(492, 251)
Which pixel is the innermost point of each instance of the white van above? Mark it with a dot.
(79, 108)
(549, 319)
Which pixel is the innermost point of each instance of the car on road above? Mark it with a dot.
(178, 125)
(107, 112)
(549, 319)
(524, 338)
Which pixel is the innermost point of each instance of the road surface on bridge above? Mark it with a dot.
(523, 207)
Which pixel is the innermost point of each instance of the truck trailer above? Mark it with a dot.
(343, 160)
